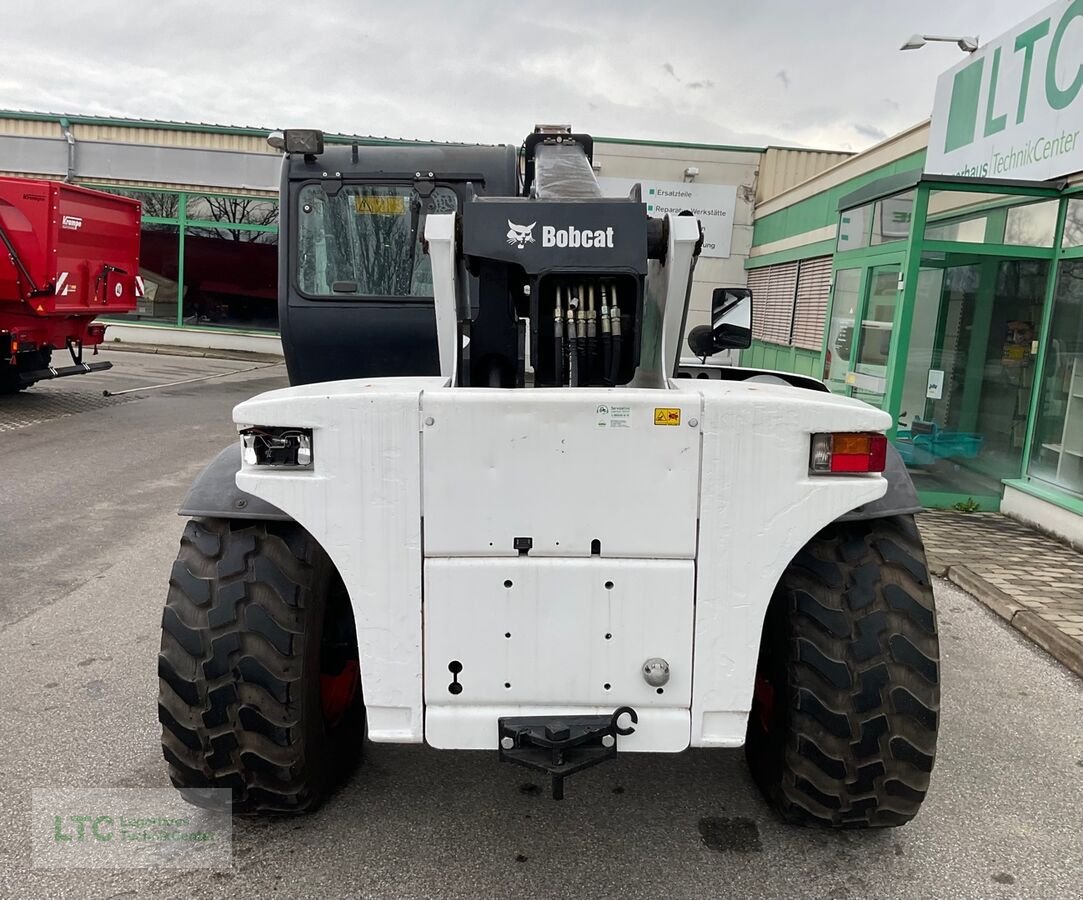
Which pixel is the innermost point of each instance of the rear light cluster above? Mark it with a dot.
(845, 453)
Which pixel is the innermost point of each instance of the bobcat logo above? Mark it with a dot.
(520, 235)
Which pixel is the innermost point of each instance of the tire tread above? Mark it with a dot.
(855, 636)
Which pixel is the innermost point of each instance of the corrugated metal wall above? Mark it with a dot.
(167, 137)
(127, 134)
(31, 128)
(784, 167)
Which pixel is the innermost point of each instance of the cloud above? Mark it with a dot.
(489, 71)
(870, 131)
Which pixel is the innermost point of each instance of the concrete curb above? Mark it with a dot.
(200, 352)
(1065, 650)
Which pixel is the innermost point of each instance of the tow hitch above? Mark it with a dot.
(562, 745)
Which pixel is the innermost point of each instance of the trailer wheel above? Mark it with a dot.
(259, 679)
(10, 382)
(842, 731)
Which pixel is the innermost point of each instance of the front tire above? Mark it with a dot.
(842, 731)
(259, 682)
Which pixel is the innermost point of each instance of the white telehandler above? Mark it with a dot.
(526, 528)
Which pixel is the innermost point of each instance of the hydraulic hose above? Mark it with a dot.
(558, 340)
(607, 345)
(573, 350)
(581, 338)
(615, 330)
(592, 339)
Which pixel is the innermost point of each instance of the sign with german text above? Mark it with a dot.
(712, 204)
(1014, 108)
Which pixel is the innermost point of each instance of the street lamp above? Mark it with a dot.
(966, 44)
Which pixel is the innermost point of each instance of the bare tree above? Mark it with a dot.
(157, 204)
(236, 210)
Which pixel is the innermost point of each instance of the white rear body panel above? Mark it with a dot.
(418, 492)
(566, 469)
(533, 635)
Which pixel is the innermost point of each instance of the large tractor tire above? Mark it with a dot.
(842, 731)
(259, 680)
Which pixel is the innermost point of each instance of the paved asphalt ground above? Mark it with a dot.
(88, 533)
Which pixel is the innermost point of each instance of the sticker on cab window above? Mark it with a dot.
(379, 205)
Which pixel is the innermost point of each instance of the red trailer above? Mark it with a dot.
(67, 255)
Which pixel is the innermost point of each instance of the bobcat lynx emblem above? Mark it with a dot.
(520, 235)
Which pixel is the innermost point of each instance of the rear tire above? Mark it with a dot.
(257, 625)
(842, 731)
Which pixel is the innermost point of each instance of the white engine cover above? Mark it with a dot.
(527, 636)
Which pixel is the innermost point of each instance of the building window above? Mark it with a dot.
(156, 204)
(230, 277)
(789, 302)
(159, 254)
(1032, 225)
(1057, 453)
(854, 228)
(159, 266)
(891, 218)
(976, 218)
(773, 291)
(1073, 225)
(258, 211)
(231, 261)
(207, 259)
(810, 307)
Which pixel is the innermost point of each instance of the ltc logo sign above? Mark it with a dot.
(1014, 108)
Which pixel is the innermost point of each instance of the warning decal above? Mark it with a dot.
(665, 415)
(378, 205)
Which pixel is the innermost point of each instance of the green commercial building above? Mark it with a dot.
(939, 276)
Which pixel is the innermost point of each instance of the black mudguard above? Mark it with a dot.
(901, 497)
(214, 494)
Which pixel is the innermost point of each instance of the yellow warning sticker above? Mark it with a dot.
(665, 415)
(370, 205)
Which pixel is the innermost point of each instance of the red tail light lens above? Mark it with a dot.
(848, 452)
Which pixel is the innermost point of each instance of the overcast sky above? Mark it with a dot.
(819, 73)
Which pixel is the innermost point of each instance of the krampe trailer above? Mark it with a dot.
(492, 512)
(67, 255)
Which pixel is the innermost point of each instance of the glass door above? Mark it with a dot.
(969, 374)
(845, 299)
(868, 379)
(1056, 457)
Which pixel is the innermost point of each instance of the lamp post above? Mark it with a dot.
(917, 41)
